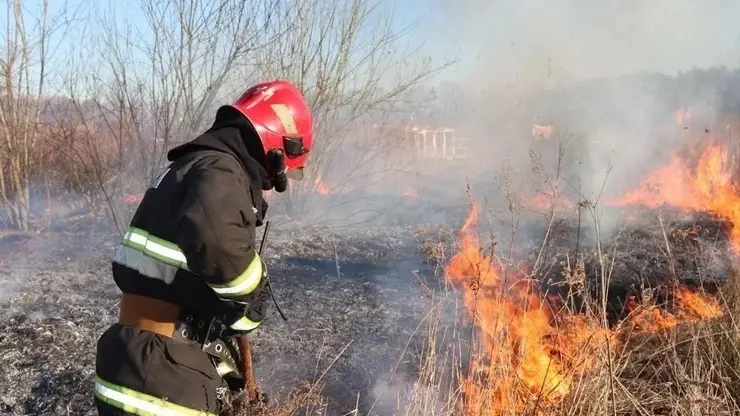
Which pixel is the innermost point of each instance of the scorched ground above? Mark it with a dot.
(536, 330)
(351, 292)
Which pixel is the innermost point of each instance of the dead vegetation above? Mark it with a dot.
(664, 359)
(639, 322)
(95, 124)
(380, 318)
(567, 319)
(350, 306)
(372, 348)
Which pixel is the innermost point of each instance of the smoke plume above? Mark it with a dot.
(609, 76)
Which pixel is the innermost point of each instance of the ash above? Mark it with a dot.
(356, 292)
(648, 254)
(354, 298)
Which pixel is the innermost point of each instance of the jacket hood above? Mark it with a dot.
(231, 133)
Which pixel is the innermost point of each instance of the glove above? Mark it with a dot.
(253, 307)
(256, 307)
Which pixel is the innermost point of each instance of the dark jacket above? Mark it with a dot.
(191, 241)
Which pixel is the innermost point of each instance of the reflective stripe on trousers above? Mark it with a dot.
(140, 404)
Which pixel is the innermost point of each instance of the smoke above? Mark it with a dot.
(397, 396)
(608, 75)
(605, 75)
(546, 43)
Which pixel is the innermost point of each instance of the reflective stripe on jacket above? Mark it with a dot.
(191, 241)
(159, 259)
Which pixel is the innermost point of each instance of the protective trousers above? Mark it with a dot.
(146, 374)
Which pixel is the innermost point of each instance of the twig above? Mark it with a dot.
(329, 367)
(671, 261)
(336, 257)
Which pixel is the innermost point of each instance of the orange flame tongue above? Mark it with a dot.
(320, 187)
(708, 188)
(689, 307)
(517, 358)
(697, 306)
(522, 354)
(682, 114)
(410, 192)
(649, 318)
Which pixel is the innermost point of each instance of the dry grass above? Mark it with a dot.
(690, 369)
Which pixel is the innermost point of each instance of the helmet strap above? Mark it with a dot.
(276, 169)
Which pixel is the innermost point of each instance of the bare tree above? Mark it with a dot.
(145, 87)
(155, 84)
(186, 53)
(24, 60)
(86, 158)
(351, 63)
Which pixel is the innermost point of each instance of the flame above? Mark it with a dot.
(544, 202)
(520, 355)
(682, 114)
(707, 188)
(409, 192)
(649, 318)
(697, 306)
(526, 354)
(320, 187)
(543, 132)
(133, 199)
(689, 307)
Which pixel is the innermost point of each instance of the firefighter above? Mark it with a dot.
(188, 269)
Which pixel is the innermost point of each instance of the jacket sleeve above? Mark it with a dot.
(216, 232)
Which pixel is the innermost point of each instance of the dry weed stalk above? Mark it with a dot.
(690, 369)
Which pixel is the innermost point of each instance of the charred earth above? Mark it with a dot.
(354, 298)
(647, 255)
(351, 294)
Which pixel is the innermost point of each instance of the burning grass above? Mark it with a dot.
(533, 354)
(643, 323)
(670, 350)
(528, 353)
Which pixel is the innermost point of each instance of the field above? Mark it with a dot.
(463, 316)
(509, 209)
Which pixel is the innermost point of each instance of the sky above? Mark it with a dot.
(505, 43)
(553, 41)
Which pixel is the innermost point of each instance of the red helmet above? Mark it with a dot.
(282, 119)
